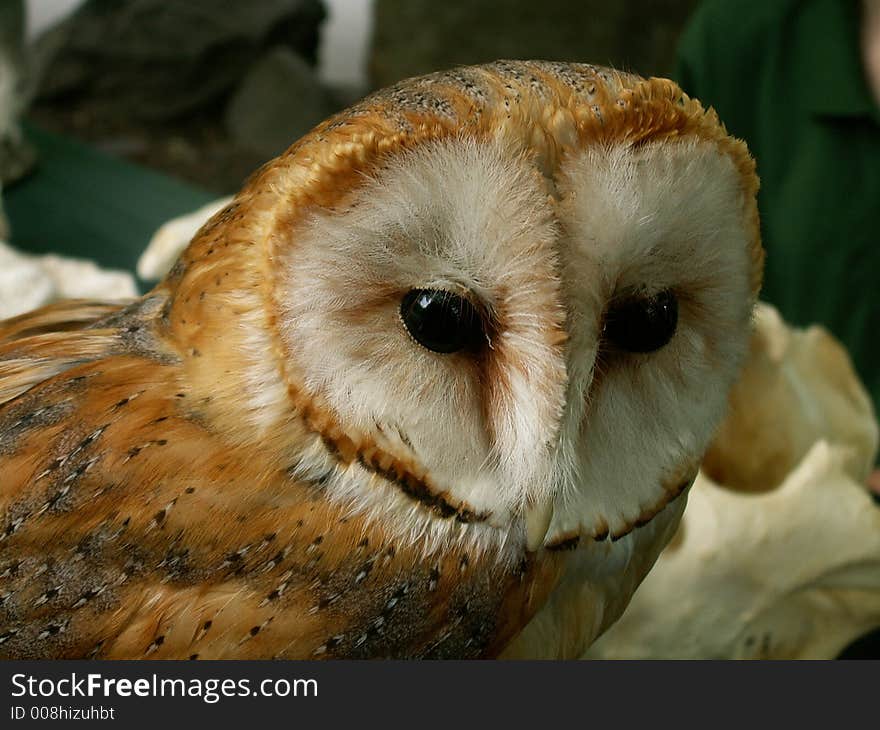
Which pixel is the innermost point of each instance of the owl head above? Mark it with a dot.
(501, 305)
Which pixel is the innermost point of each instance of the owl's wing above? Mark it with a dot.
(38, 345)
(114, 532)
(127, 528)
(72, 314)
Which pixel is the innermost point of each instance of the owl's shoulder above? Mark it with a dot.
(115, 487)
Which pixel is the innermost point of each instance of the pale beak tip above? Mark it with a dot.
(538, 518)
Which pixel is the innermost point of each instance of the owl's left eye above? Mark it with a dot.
(441, 320)
(642, 323)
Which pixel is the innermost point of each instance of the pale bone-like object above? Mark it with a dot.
(28, 282)
(759, 568)
(172, 237)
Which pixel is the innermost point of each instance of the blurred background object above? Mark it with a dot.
(209, 89)
(16, 155)
(165, 83)
(141, 110)
(28, 282)
(420, 36)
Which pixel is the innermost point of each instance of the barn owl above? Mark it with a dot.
(449, 347)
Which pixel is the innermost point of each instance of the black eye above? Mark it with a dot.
(442, 321)
(642, 323)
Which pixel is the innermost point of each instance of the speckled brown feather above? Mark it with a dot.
(131, 530)
(144, 514)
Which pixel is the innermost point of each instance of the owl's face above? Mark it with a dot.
(521, 334)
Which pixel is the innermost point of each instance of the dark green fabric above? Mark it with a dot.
(80, 202)
(786, 76)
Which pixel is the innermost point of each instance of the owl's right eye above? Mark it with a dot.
(442, 321)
